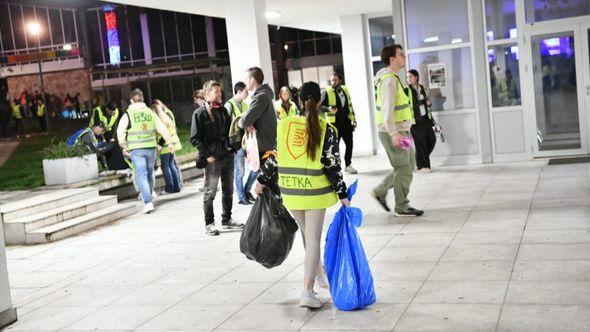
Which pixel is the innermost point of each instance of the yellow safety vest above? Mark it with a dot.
(302, 181)
(86, 130)
(142, 134)
(283, 113)
(173, 134)
(16, 112)
(402, 110)
(41, 110)
(331, 95)
(108, 124)
(236, 110)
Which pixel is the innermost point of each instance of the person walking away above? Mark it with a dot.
(236, 106)
(18, 115)
(285, 107)
(307, 152)
(339, 112)
(394, 120)
(40, 114)
(137, 131)
(210, 134)
(261, 114)
(5, 114)
(422, 132)
(167, 158)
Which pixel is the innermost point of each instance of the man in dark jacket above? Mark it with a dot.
(210, 134)
(261, 114)
(5, 114)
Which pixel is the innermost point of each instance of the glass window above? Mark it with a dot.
(155, 30)
(220, 32)
(381, 31)
(69, 28)
(123, 35)
(135, 32)
(18, 27)
(44, 37)
(500, 19)
(377, 66)
(295, 78)
(169, 23)
(199, 36)
(5, 28)
(307, 48)
(184, 33)
(336, 45)
(432, 23)
(544, 10)
(448, 77)
(504, 75)
(93, 33)
(56, 28)
(323, 46)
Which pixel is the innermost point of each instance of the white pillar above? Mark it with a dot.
(7, 311)
(247, 38)
(359, 80)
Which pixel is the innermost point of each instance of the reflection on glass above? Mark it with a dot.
(556, 96)
(377, 66)
(381, 30)
(504, 75)
(500, 19)
(447, 76)
(433, 23)
(544, 10)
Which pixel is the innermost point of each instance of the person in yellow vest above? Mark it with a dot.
(167, 160)
(18, 115)
(394, 120)
(236, 106)
(40, 114)
(338, 108)
(307, 166)
(108, 114)
(137, 133)
(285, 107)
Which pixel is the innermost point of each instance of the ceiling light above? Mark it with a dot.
(68, 47)
(431, 39)
(456, 40)
(270, 14)
(286, 47)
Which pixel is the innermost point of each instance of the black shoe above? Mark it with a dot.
(250, 198)
(228, 224)
(244, 202)
(381, 200)
(409, 212)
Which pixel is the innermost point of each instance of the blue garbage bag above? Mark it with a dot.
(347, 268)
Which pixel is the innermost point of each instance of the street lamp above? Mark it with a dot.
(35, 30)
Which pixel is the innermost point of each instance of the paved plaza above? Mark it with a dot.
(503, 247)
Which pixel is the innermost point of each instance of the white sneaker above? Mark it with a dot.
(350, 170)
(322, 280)
(149, 207)
(310, 299)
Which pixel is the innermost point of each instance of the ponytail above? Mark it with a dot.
(314, 130)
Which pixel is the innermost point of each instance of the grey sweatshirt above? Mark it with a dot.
(261, 114)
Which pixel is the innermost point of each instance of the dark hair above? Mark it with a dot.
(137, 95)
(310, 96)
(256, 73)
(388, 52)
(415, 73)
(239, 87)
(337, 74)
(111, 105)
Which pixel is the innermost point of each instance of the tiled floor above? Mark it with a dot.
(502, 247)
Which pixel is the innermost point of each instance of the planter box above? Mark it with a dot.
(70, 170)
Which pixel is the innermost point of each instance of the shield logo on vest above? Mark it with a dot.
(296, 139)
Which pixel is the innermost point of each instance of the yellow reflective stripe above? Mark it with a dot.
(141, 140)
(301, 171)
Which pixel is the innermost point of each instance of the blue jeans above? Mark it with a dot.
(143, 163)
(239, 171)
(171, 174)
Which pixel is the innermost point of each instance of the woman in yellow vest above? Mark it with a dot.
(307, 169)
(167, 159)
(17, 115)
(285, 107)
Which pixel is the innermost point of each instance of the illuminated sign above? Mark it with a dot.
(112, 35)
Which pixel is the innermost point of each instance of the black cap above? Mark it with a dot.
(112, 105)
(310, 90)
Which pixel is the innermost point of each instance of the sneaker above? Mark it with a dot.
(148, 208)
(381, 200)
(211, 230)
(202, 189)
(244, 202)
(409, 212)
(154, 194)
(227, 224)
(350, 170)
(322, 280)
(426, 170)
(310, 299)
(250, 198)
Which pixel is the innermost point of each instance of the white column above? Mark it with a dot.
(7, 311)
(358, 79)
(247, 38)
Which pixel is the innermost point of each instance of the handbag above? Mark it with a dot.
(252, 154)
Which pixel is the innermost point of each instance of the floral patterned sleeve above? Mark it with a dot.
(269, 171)
(331, 162)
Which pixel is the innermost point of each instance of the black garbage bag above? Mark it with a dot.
(269, 233)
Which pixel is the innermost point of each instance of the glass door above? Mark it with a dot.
(559, 129)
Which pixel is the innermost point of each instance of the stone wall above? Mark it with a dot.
(56, 83)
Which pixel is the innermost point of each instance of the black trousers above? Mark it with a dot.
(345, 131)
(5, 127)
(424, 139)
(20, 127)
(221, 168)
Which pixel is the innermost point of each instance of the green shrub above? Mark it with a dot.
(61, 150)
